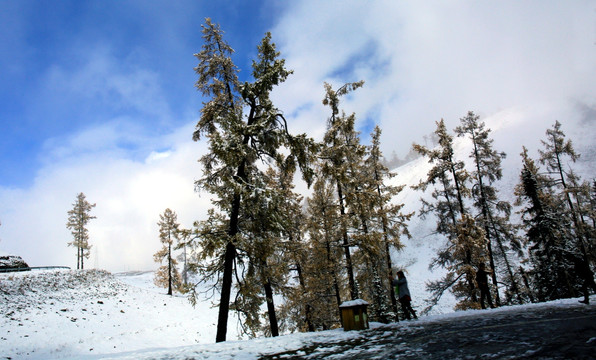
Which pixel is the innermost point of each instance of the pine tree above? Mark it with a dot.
(78, 218)
(461, 254)
(382, 225)
(295, 312)
(556, 149)
(341, 150)
(493, 213)
(547, 237)
(323, 277)
(167, 275)
(238, 140)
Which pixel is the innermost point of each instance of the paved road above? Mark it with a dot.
(553, 332)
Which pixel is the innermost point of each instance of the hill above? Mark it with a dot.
(93, 314)
(56, 314)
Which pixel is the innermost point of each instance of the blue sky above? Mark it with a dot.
(98, 96)
(65, 67)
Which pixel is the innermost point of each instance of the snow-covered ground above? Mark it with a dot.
(56, 314)
(93, 314)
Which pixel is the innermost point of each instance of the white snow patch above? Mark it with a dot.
(351, 303)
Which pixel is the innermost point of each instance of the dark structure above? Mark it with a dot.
(12, 263)
(353, 314)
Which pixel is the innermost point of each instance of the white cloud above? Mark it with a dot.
(423, 61)
(129, 195)
(96, 80)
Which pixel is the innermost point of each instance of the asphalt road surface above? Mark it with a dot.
(549, 332)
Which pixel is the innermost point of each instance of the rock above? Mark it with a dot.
(13, 262)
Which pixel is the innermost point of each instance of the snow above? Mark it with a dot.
(11, 261)
(351, 303)
(91, 314)
(56, 314)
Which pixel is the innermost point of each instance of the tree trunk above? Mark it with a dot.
(330, 264)
(271, 309)
(346, 245)
(307, 306)
(391, 289)
(226, 289)
(169, 269)
(230, 253)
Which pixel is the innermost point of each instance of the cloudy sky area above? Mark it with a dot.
(98, 96)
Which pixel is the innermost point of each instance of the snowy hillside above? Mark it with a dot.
(55, 314)
(95, 315)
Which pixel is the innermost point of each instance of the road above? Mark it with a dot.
(548, 332)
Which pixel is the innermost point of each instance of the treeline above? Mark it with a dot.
(262, 241)
(545, 257)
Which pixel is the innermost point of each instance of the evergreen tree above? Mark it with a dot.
(556, 149)
(78, 218)
(237, 140)
(324, 290)
(268, 224)
(546, 233)
(167, 275)
(493, 213)
(296, 313)
(384, 223)
(461, 254)
(341, 150)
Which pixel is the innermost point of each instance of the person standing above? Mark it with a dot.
(482, 281)
(584, 272)
(403, 294)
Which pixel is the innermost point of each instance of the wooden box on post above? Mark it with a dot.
(353, 314)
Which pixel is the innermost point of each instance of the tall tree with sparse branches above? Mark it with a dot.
(388, 218)
(78, 218)
(492, 213)
(341, 150)
(556, 149)
(449, 179)
(167, 275)
(243, 127)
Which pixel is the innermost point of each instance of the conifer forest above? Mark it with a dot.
(286, 261)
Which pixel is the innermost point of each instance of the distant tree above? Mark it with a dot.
(78, 218)
(547, 236)
(340, 152)
(463, 250)
(167, 275)
(382, 225)
(493, 213)
(243, 127)
(556, 149)
(322, 267)
(183, 244)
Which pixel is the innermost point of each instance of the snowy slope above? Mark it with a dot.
(95, 315)
(54, 314)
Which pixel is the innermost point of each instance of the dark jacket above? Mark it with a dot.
(482, 278)
(402, 287)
